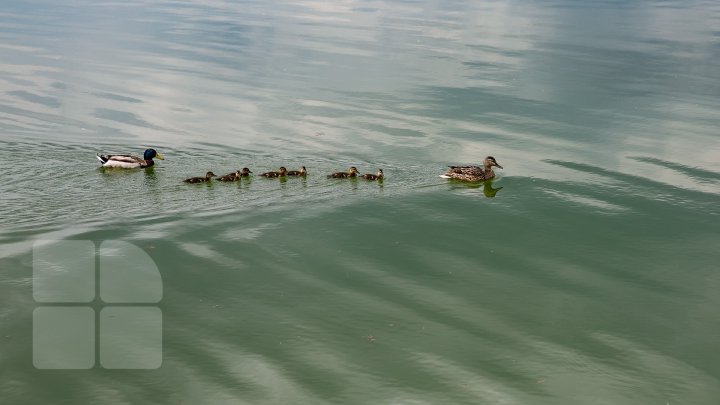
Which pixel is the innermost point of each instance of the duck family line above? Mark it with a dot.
(464, 173)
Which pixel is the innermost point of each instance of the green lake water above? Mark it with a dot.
(585, 273)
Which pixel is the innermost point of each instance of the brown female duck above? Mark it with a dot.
(344, 175)
(378, 176)
(206, 179)
(280, 173)
(473, 173)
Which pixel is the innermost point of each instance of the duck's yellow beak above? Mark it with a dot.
(159, 156)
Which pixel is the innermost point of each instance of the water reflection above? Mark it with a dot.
(487, 186)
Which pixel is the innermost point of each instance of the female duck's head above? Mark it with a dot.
(150, 154)
(490, 162)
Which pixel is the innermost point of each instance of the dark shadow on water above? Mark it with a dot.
(694, 172)
(673, 192)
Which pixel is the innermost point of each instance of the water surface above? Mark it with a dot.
(585, 273)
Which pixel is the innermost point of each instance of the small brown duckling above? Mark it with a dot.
(231, 176)
(378, 176)
(344, 175)
(245, 172)
(301, 172)
(208, 176)
(280, 173)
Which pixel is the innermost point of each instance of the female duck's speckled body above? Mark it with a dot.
(301, 172)
(130, 161)
(206, 179)
(473, 173)
(378, 176)
(344, 175)
(282, 171)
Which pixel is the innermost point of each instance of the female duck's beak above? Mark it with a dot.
(498, 165)
(159, 156)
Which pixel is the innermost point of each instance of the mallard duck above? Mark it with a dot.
(344, 175)
(301, 172)
(245, 172)
(282, 171)
(130, 161)
(473, 173)
(378, 176)
(208, 176)
(235, 176)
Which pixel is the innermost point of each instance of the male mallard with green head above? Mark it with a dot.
(230, 176)
(378, 176)
(301, 172)
(130, 161)
(473, 173)
(344, 175)
(206, 179)
(282, 171)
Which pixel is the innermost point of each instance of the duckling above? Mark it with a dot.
(344, 175)
(130, 161)
(280, 173)
(205, 179)
(473, 173)
(230, 176)
(245, 172)
(301, 172)
(378, 176)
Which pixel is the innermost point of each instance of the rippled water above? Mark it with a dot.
(585, 273)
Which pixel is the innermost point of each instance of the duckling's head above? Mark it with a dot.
(302, 170)
(490, 162)
(353, 169)
(245, 170)
(209, 175)
(283, 170)
(379, 173)
(152, 153)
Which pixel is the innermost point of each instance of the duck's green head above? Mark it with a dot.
(150, 154)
